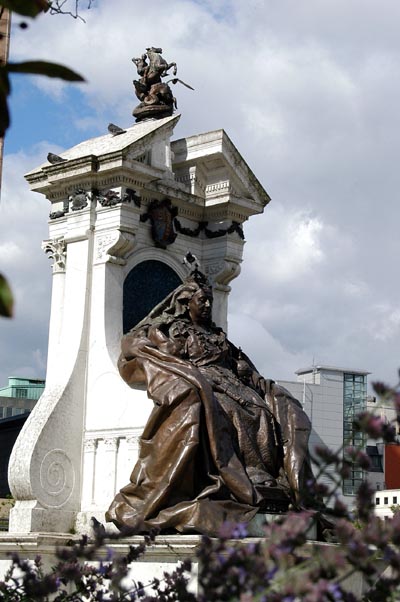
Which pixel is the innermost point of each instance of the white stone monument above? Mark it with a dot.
(125, 209)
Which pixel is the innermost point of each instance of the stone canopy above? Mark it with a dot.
(205, 170)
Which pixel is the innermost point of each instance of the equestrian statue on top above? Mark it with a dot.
(156, 98)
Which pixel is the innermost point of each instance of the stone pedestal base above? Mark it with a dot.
(28, 516)
(142, 112)
(161, 556)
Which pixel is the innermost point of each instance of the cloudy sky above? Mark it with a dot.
(309, 92)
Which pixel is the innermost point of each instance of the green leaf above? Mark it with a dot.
(27, 8)
(45, 68)
(6, 298)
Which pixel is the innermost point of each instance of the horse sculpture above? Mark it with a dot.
(156, 98)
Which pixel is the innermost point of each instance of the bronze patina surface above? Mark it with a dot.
(156, 98)
(222, 442)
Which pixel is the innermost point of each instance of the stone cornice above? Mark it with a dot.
(217, 155)
(105, 153)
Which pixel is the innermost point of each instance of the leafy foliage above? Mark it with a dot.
(395, 508)
(45, 68)
(27, 8)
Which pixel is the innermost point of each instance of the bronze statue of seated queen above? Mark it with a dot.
(222, 442)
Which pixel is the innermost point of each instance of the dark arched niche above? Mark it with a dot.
(146, 285)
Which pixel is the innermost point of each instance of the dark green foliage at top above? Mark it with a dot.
(27, 8)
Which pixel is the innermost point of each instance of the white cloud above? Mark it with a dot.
(272, 359)
(23, 225)
(386, 324)
(9, 251)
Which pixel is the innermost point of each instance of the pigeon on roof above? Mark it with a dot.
(54, 159)
(115, 130)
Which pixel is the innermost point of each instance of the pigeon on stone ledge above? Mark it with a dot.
(115, 130)
(54, 159)
(98, 528)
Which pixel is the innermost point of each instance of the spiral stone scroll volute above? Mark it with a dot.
(57, 478)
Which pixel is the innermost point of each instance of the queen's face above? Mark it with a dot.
(200, 307)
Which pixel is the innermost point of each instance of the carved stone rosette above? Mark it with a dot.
(56, 250)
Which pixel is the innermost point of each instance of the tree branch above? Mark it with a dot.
(57, 8)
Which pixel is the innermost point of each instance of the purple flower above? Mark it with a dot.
(336, 591)
(369, 424)
(389, 433)
(326, 454)
(240, 530)
(380, 388)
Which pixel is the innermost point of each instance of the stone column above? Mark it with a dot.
(55, 249)
(89, 467)
(107, 458)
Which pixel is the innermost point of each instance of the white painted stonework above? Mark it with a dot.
(80, 443)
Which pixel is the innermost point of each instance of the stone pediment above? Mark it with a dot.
(211, 167)
(143, 147)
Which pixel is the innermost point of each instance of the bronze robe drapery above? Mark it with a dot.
(214, 445)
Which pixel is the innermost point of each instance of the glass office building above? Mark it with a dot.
(354, 402)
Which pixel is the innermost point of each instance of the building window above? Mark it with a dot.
(385, 500)
(377, 501)
(395, 499)
(376, 462)
(21, 392)
(354, 402)
(8, 412)
(1, 412)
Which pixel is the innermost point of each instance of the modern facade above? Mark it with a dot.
(385, 458)
(387, 502)
(17, 399)
(19, 396)
(9, 431)
(332, 397)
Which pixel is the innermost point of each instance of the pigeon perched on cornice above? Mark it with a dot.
(54, 159)
(115, 130)
(191, 260)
